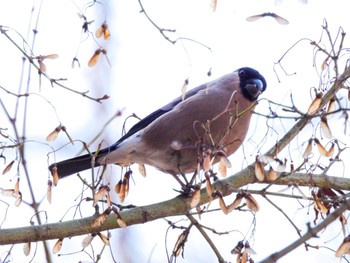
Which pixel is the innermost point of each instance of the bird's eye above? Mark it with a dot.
(241, 73)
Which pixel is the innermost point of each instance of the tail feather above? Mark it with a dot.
(74, 165)
(81, 163)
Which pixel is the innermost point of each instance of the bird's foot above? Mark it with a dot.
(187, 187)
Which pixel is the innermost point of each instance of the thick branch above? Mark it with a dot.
(143, 214)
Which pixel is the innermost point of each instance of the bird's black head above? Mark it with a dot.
(251, 83)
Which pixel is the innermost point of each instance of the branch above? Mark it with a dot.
(161, 30)
(207, 238)
(290, 135)
(51, 80)
(173, 207)
(312, 232)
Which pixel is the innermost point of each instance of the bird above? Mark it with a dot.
(212, 118)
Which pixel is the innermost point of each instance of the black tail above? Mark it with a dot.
(72, 166)
(80, 163)
(83, 162)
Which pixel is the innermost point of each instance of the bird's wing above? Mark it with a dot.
(155, 115)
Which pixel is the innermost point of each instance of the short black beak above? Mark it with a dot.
(254, 87)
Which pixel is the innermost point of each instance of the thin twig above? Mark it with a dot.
(206, 237)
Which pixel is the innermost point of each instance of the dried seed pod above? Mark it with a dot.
(330, 151)
(271, 175)
(207, 161)
(235, 203)
(57, 247)
(279, 19)
(180, 243)
(308, 149)
(100, 219)
(209, 190)
(320, 148)
(244, 257)
(120, 220)
(224, 164)
(26, 248)
(318, 205)
(51, 56)
(49, 191)
(108, 199)
(118, 186)
(238, 248)
(209, 187)
(104, 52)
(344, 248)
(222, 169)
(87, 240)
(93, 60)
(325, 128)
(8, 167)
(53, 135)
(19, 199)
(55, 176)
(124, 186)
(104, 238)
(331, 107)
(252, 204)
(8, 192)
(222, 204)
(99, 32)
(249, 249)
(142, 170)
(292, 167)
(230, 207)
(324, 63)
(122, 192)
(237, 200)
(42, 67)
(343, 222)
(126, 179)
(103, 30)
(225, 161)
(196, 197)
(315, 104)
(259, 170)
(16, 188)
(101, 193)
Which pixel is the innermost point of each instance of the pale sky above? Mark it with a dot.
(146, 73)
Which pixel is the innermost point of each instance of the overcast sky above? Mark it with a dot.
(147, 72)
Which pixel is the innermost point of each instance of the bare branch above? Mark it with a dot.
(312, 232)
(173, 207)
